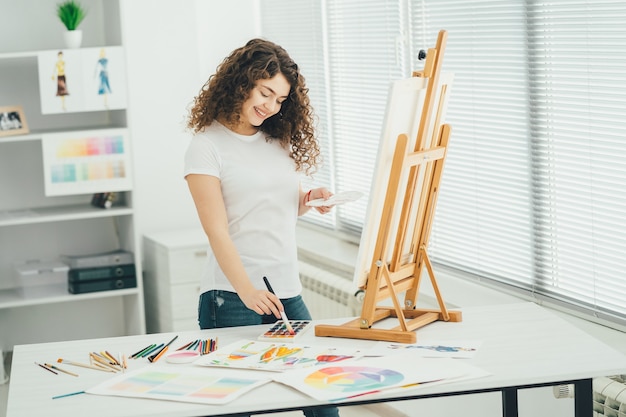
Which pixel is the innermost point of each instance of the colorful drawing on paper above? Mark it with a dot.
(275, 356)
(188, 385)
(350, 379)
(431, 348)
(367, 375)
(86, 162)
(278, 331)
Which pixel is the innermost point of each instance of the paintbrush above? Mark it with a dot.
(83, 365)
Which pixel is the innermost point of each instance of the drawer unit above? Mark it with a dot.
(174, 261)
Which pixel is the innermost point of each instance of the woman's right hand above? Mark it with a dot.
(262, 302)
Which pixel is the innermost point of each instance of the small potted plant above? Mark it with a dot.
(71, 14)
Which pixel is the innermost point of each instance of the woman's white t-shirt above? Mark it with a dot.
(260, 187)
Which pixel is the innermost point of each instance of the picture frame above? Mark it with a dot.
(12, 121)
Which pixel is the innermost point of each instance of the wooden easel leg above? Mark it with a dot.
(433, 280)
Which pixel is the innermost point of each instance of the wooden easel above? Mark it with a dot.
(389, 277)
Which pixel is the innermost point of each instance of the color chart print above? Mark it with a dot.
(348, 379)
(86, 162)
(188, 385)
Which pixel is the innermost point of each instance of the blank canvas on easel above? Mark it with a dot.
(394, 242)
(402, 116)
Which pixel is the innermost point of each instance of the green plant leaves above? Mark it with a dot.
(71, 13)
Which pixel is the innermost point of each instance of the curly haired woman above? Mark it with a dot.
(253, 137)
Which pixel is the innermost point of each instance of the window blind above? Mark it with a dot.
(484, 210)
(298, 26)
(532, 194)
(362, 51)
(577, 51)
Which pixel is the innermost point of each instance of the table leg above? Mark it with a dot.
(583, 398)
(509, 402)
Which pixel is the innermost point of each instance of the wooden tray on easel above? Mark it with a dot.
(409, 180)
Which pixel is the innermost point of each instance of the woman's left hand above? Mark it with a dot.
(317, 193)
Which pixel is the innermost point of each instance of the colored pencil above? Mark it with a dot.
(68, 395)
(142, 350)
(113, 358)
(186, 346)
(154, 349)
(158, 355)
(102, 361)
(160, 352)
(171, 341)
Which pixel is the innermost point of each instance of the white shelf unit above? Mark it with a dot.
(174, 261)
(36, 227)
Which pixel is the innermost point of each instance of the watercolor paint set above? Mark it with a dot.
(278, 332)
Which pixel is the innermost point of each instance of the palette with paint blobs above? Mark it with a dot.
(278, 332)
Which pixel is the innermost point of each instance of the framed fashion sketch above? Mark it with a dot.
(82, 80)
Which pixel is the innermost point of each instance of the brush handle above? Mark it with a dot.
(83, 365)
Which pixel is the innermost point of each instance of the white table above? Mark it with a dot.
(523, 346)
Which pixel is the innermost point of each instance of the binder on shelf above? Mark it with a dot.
(116, 257)
(100, 273)
(82, 287)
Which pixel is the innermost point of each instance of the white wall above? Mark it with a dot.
(172, 47)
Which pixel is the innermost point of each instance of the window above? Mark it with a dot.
(534, 190)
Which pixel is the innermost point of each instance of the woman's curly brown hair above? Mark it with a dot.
(222, 96)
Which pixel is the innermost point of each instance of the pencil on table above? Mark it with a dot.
(103, 368)
(102, 361)
(158, 355)
(68, 395)
(138, 354)
(185, 346)
(152, 350)
(107, 355)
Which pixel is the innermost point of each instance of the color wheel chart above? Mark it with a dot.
(86, 162)
(350, 379)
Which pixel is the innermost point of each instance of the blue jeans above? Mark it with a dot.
(219, 308)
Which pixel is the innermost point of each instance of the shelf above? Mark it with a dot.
(57, 293)
(34, 54)
(59, 213)
(18, 55)
(37, 134)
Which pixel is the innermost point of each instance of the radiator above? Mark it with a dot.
(609, 396)
(328, 294)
